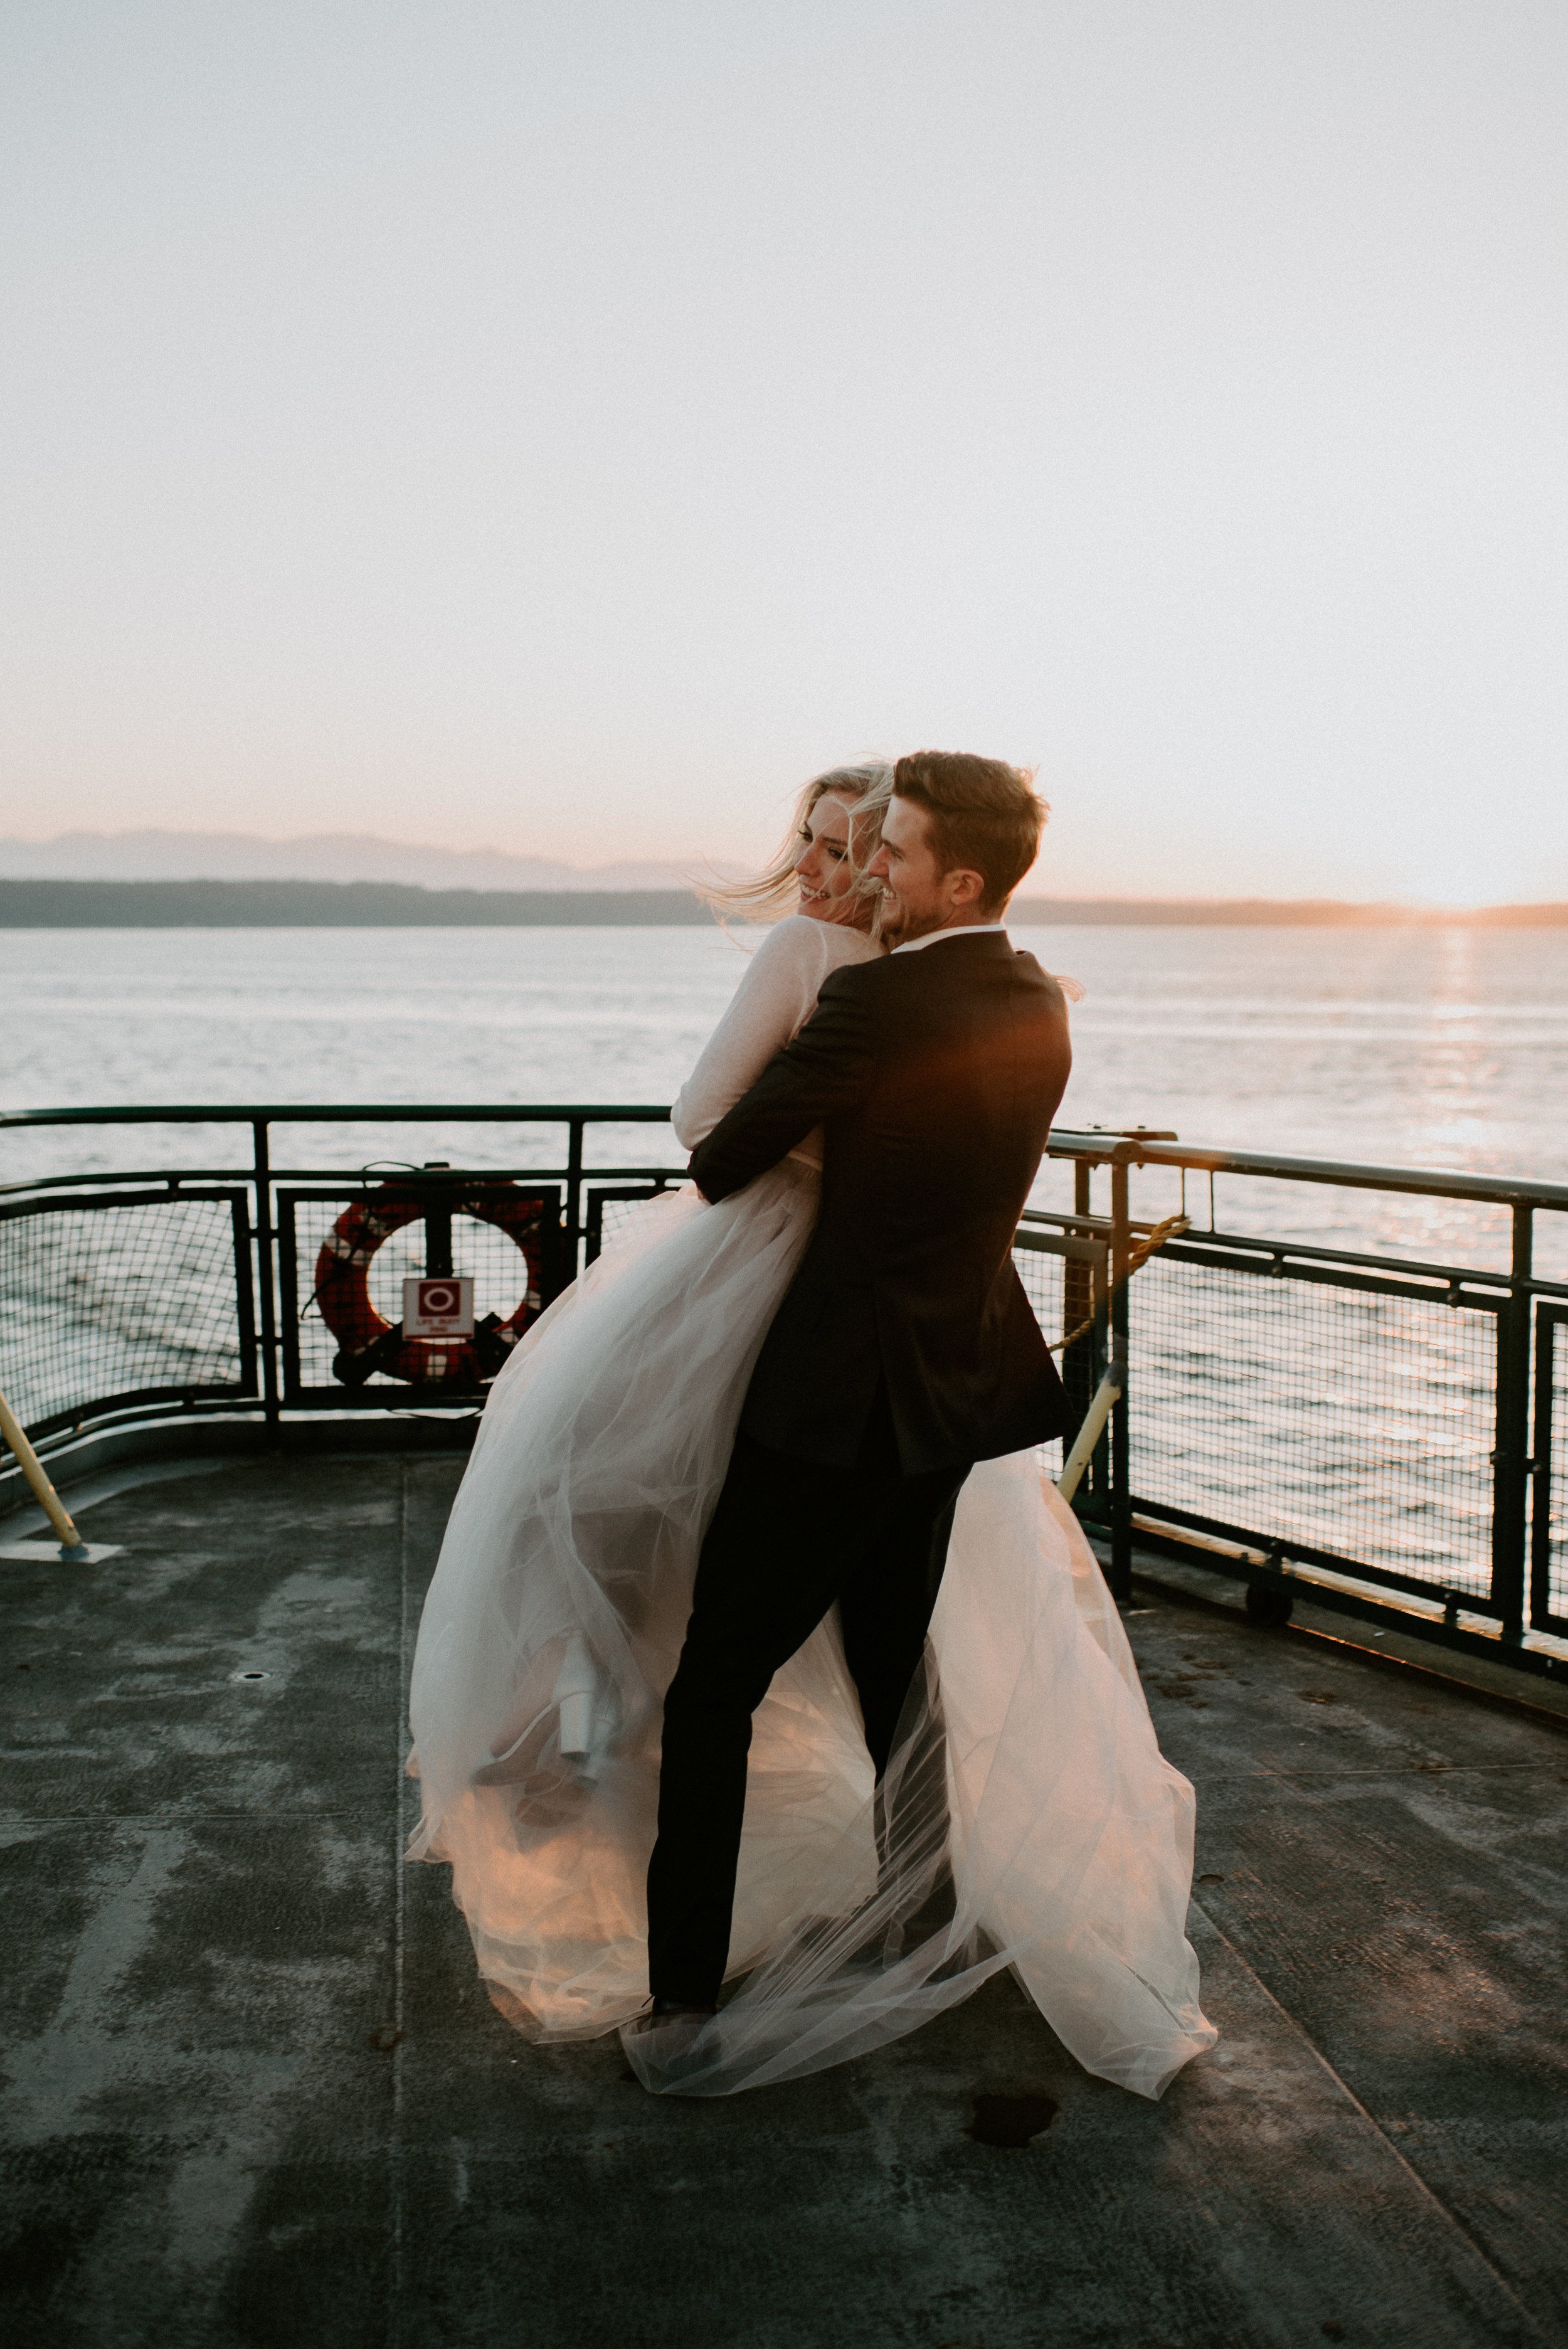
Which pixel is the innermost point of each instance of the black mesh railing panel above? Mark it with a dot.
(1340, 1420)
(1556, 1335)
(98, 1303)
(481, 1251)
(614, 1216)
(1044, 1276)
(607, 1215)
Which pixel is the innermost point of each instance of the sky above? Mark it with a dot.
(564, 428)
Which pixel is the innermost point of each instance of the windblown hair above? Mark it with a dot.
(774, 892)
(980, 815)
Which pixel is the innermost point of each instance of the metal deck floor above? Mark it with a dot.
(255, 2094)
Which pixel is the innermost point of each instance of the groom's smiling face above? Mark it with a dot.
(920, 897)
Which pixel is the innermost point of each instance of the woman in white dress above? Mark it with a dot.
(1026, 1819)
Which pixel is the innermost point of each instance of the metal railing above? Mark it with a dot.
(1388, 1432)
(1385, 1431)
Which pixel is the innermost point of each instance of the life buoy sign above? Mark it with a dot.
(367, 1342)
(442, 1308)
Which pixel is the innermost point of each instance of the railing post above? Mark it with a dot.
(1546, 1324)
(1120, 1431)
(1511, 1458)
(266, 1274)
(573, 1233)
(1080, 1374)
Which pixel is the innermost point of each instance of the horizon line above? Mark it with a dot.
(50, 902)
(680, 877)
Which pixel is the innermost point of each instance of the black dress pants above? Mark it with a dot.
(788, 1538)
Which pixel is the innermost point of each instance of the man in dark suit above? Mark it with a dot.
(904, 1349)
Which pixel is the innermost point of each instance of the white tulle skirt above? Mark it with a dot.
(1026, 1819)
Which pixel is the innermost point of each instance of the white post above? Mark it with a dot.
(1089, 1433)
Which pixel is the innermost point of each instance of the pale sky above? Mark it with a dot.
(564, 427)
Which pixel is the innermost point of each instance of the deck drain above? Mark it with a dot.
(250, 1676)
(1011, 2121)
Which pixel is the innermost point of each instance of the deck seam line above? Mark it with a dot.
(1411, 2172)
(162, 1819)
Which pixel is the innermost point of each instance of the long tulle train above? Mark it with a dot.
(1028, 1818)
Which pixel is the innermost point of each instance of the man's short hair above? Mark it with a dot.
(980, 813)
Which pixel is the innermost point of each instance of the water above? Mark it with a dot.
(1358, 1424)
(1431, 1048)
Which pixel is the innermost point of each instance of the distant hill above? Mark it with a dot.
(312, 856)
(41, 904)
(330, 904)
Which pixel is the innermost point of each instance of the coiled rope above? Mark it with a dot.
(1171, 1227)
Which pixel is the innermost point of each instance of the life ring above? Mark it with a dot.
(367, 1342)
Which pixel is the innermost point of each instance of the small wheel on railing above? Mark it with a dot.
(1268, 1606)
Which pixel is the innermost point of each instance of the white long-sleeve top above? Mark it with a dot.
(775, 996)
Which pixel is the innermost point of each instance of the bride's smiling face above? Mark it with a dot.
(823, 869)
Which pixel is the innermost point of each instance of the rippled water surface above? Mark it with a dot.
(1360, 1424)
(1438, 1048)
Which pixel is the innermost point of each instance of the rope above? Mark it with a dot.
(1169, 1230)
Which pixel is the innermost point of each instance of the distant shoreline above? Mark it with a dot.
(389, 905)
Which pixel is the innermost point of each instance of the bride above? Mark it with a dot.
(1027, 1818)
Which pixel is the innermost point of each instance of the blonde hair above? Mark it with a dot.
(774, 892)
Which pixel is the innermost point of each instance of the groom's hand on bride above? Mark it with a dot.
(822, 1073)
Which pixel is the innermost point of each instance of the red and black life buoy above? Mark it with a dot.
(367, 1342)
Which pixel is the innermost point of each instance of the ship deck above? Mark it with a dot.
(256, 2095)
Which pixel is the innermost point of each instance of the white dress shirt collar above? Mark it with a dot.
(959, 930)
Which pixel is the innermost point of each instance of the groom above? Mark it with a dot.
(904, 1349)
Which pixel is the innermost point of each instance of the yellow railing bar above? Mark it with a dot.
(49, 1500)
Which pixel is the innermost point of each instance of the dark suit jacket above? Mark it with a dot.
(936, 1075)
